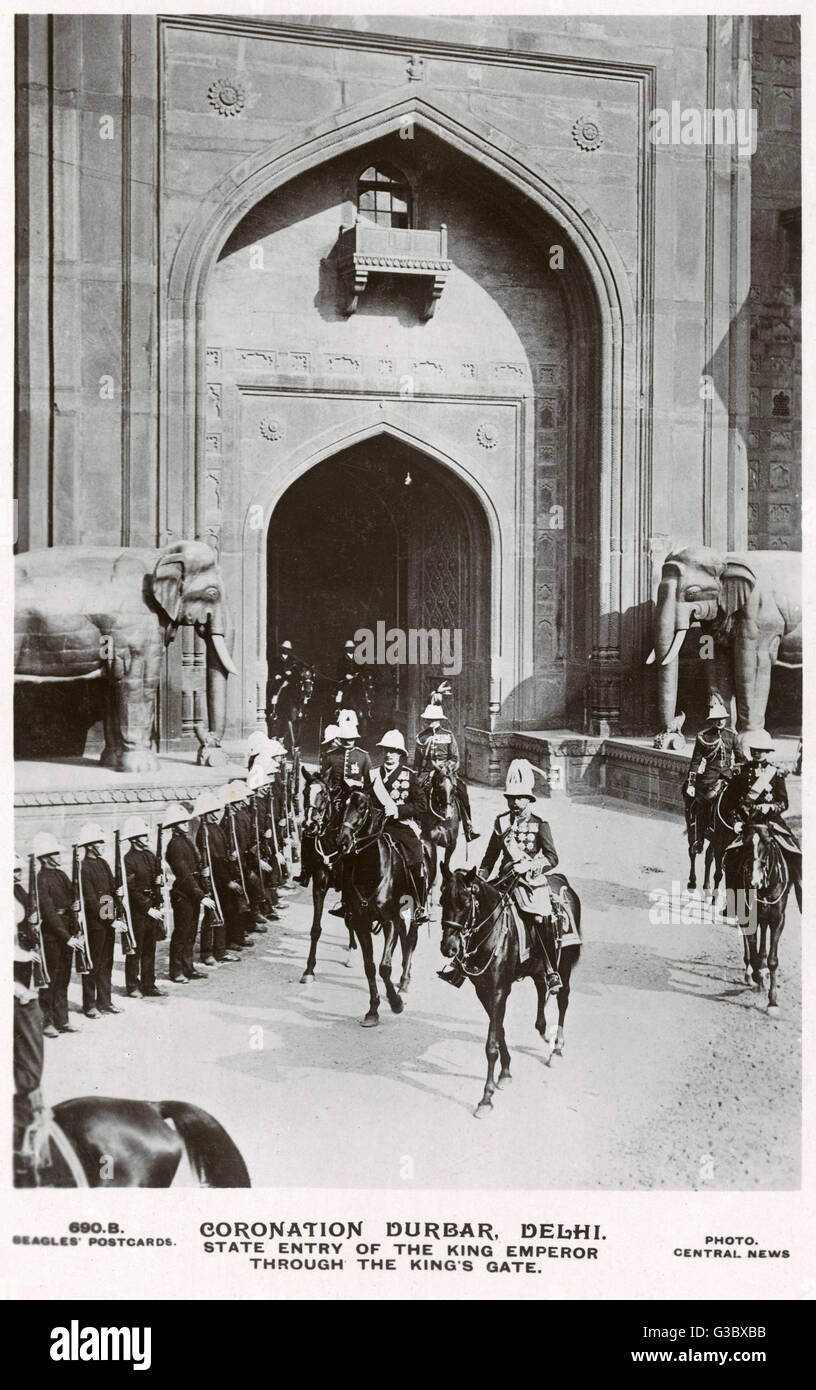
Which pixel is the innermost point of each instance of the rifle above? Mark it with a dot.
(237, 848)
(293, 831)
(163, 876)
(218, 916)
(259, 856)
(39, 974)
(122, 898)
(82, 953)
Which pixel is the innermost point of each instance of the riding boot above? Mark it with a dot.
(467, 826)
(453, 974)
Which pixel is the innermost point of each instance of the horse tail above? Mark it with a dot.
(216, 1160)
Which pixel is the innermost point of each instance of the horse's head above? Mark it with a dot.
(356, 818)
(318, 804)
(307, 680)
(441, 792)
(459, 895)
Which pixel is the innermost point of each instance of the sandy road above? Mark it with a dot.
(673, 1074)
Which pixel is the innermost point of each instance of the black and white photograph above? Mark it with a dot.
(407, 705)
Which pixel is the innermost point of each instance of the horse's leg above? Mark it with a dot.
(319, 885)
(773, 961)
(565, 970)
(709, 857)
(494, 999)
(762, 975)
(363, 933)
(409, 945)
(692, 878)
(390, 937)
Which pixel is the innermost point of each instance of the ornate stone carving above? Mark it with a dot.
(508, 371)
(341, 362)
(258, 359)
(213, 357)
(227, 95)
(367, 249)
(214, 400)
(272, 428)
(487, 434)
(587, 134)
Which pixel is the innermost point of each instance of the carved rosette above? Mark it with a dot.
(487, 435)
(272, 428)
(227, 95)
(587, 133)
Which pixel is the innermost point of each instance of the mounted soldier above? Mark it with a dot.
(399, 791)
(329, 743)
(345, 663)
(758, 796)
(717, 753)
(523, 844)
(347, 769)
(436, 747)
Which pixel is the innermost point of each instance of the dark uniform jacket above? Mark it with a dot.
(186, 867)
(326, 754)
(717, 753)
(405, 789)
(758, 791)
(98, 892)
(56, 904)
(348, 770)
(142, 869)
(22, 907)
(531, 834)
(435, 748)
(220, 850)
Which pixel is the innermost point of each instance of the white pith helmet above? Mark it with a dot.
(275, 749)
(433, 712)
(393, 740)
(206, 802)
(716, 709)
(234, 792)
(520, 779)
(45, 843)
(174, 815)
(760, 741)
(134, 828)
(256, 743)
(330, 734)
(256, 778)
(347, 724)
(286, 646)
(91, 834)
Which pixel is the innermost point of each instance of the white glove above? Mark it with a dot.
(267, 868)
(208, 903)
(154, 912)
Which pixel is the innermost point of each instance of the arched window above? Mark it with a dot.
(384, 196)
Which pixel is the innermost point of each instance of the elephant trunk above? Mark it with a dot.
(220, 636)
(671, 622)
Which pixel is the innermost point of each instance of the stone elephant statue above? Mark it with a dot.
(106, 613)
(750, 605)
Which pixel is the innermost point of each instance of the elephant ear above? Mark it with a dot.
(167, 582)
(738, 582)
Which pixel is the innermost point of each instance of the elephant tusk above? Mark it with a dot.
(220, 648)
(677, 642)
(650, 660)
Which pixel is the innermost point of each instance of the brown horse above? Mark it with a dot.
(320, 860)
(478, 931)
(706, 830)
(379, 893)
(113, 1142)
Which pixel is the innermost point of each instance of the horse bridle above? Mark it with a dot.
(431, 808)
(467, 928)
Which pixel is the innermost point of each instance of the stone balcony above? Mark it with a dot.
(367, 249)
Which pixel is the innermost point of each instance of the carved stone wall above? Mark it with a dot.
(775, 438)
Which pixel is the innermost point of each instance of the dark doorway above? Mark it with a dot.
(381, 534)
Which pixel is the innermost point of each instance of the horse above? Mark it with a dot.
(319, 859)
(478, 931)
(707, 830)
(377, 889)
(290, 707)
(440, 825)
(113, 1142)
(758, 880)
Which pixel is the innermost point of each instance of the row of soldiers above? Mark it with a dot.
(211, 892)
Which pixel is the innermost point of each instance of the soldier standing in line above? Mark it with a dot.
(236, 801)
(142, 871)
(215, 851)
(59, 930)
(99, 897)
(28, 1033)
(189, 897)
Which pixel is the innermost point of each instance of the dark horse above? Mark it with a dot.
(291, 706)
(378, 891)
(319, 859)
(758, 881)
(137, 1143)
(706, 830)
(440, 826)
(479, 932)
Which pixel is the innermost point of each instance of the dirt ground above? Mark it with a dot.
(673, 1075)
